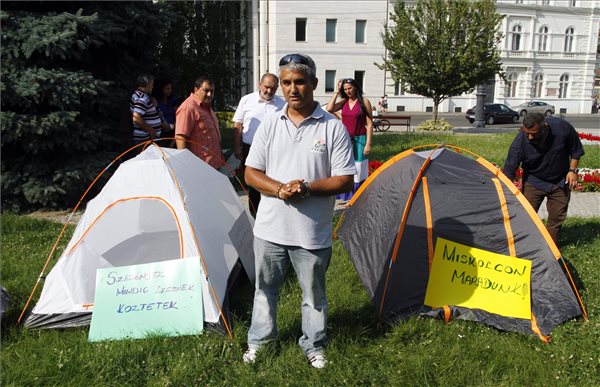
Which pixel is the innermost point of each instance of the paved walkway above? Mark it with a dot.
(582, 204)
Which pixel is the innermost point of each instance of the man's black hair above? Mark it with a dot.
(143, 80)
(532, 119)
(200, 80)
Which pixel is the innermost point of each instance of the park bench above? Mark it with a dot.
(396, 120)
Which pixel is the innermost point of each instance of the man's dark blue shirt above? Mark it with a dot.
(546, 164)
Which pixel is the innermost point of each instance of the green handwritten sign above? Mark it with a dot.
(160, 298)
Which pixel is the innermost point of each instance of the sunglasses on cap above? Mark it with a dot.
(297, 58)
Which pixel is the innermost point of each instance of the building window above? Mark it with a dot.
(538, 84)
(330, 29)
(569, 39)
(361, 29)
(516, 38)
(573, 3)
(543, 38)
(399, 88)
(329, 81)
(518, 1)
(300, 29)
(359, 77)
(545, 2)
(563, 86)
(511, 85)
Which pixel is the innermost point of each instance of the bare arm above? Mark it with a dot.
(571, 179)
(269, 187)
(139, 121)
(334, 105)
(297, 189)
(369, 122)
(331, 185)
(181, 141)
(237, 139)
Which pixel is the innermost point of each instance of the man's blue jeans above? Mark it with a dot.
(272, 261)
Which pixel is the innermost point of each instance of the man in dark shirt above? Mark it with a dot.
(548, 149)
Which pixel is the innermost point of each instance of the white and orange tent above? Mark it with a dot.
(163, 204)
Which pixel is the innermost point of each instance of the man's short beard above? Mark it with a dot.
(541, 138)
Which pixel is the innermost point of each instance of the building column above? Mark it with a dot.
(532, 25)
(529, 79)
(262, 20)
(255, 73)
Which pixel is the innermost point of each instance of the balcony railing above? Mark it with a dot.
(555, 55)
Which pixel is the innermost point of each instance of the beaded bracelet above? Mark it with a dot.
(278, 190)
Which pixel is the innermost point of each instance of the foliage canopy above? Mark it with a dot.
(443, 48)
(68, 71)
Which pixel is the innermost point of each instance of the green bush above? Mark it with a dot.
(66, 79)
(225, 119)
(430, 125)
(226, 127)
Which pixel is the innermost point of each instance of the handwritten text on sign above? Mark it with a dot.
(474, 278)
(157, 298)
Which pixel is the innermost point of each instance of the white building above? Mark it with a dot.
(548, 51)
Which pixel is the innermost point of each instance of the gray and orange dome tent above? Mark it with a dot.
(438, 233)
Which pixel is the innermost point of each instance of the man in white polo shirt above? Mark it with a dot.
(300, 158)
(250, 112)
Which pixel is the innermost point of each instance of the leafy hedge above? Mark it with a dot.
(64, 77)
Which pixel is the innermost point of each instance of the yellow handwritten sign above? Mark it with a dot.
(474, 278)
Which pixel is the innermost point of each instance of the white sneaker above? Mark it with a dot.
(250, 355)
(317, 360)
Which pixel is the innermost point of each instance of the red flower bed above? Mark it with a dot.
(373, 165)
(588, 136)
(588, 180)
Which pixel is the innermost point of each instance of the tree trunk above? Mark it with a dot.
(436, 104)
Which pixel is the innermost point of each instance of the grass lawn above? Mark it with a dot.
(419, 351)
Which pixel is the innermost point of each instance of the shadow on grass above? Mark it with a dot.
(360, 323)
(578, 233)
(242, 297)
(349, 324)
(582, 232)
(578, 282)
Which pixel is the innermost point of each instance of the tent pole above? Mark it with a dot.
(400, 232)
(60, 235)
(206, 274)
(585, 316)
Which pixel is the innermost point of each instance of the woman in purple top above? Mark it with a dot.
(167, 106)
(357, 117)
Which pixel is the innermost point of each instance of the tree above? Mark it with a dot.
(443, 48)
(205, 39)
(67, 71)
